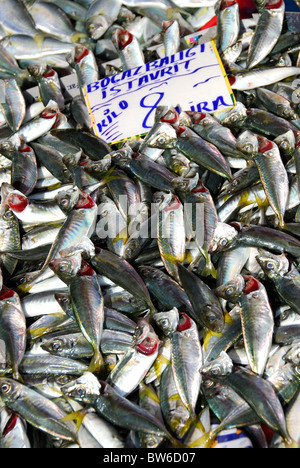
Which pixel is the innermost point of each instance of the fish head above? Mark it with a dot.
(185, 184)
(224, 237)
(162, 199)
(10, 390)
(167, 321)
(235, 117)
(180, 165)
(162, 136)
(293, 354)
(218, 367)
(67, 199)
(232, 290)
(273, 266)
(85, 389)
(65, 303)
(7, 217)
(66, 267)
(247, 143)
(96, 26)
(286, 143)
(7, 148)
(98, 168)
(145, 339)
(213, 317)
(36, 70)
(121, 157)
(71, 160)
(55, 345)
(286, 111)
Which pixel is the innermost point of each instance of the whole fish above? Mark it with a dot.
(36, 409)
(207, 309)
(228, 25)
(13, 328)
(171, 232)
(251, 296)
(267, 33)
(112, 406)
(273, 176)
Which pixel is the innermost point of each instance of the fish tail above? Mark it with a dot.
(16, 375)
(77, 416)
(209, 269)
(97, 364)
(75, 38)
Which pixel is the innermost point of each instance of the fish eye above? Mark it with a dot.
(285, 314)
(223, 242)
(64, 202)
(270, 266)
(229, 291)
(117, 156)
(6, 388)
(80, 391)
(161, 140)
(56, 346)
(215, 371)
(63, 379)
(208, 383)
(9, 214)
(6, 146)
(63, 267)
(284, 145)
(248, 148)
(151, 443)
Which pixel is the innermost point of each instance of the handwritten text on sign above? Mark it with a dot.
(123, 105)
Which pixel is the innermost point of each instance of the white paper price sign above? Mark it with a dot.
(123, 106)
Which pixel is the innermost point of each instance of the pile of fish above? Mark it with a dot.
(149, 289)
